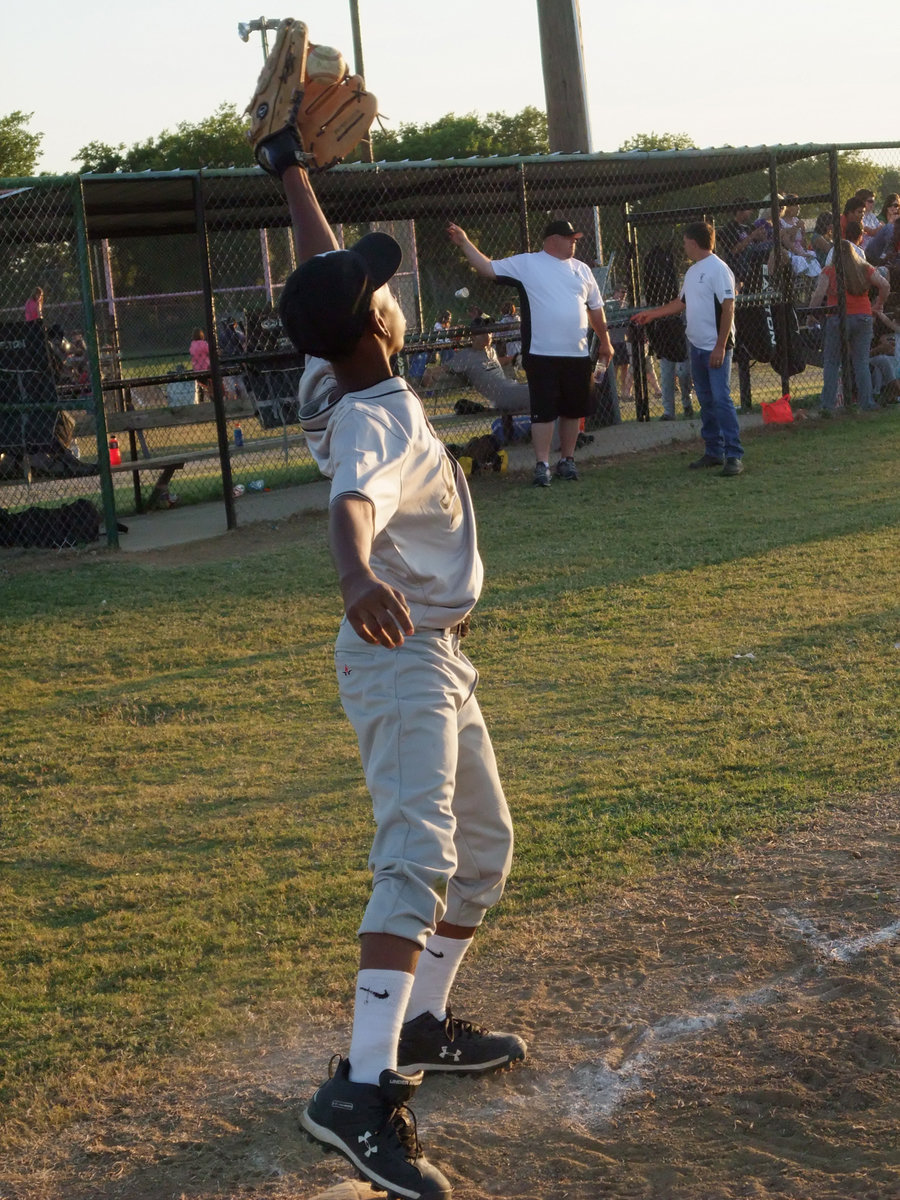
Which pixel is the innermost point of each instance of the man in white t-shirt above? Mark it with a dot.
(707, 299)
(561, 303)
(402, 534)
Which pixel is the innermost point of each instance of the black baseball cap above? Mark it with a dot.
(326, 301)
(562, 228)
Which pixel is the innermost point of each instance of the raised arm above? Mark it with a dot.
(472, 255)
(312, 233)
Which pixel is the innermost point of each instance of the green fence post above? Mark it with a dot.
(209, 307)
(92, 346)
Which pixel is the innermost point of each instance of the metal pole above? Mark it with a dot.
(215, 371)
(782, 273)
(839, 280)
(524, 240)
(93, 354)
(638, 356)
(123, 398)
(365, 145)
(266, 265)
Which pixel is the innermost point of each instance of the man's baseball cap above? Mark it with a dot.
(326, 301)
(562, 229)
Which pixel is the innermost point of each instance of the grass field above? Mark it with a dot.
(670, 665)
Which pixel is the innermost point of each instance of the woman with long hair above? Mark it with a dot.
(859, 277)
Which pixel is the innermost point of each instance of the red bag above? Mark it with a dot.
(777, 412)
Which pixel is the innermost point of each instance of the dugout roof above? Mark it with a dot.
(156, 203)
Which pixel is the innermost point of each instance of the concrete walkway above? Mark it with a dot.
(197, 522)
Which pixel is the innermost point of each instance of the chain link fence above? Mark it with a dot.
(141, 353)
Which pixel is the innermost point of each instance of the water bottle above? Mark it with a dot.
(115, 455)
(238, 435)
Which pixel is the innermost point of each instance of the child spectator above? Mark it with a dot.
(199, 351)
(34, 305)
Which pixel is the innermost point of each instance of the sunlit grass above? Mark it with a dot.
(670, 664)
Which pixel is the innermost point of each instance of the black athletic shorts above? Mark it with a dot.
(558, 387)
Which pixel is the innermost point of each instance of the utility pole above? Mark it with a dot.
(568, 127)
(562, 59)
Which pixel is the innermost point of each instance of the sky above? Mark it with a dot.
(124, 72)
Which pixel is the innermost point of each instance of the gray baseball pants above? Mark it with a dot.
(443, 841)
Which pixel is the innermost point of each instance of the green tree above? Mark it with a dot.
(100, 158)
(810, 176)
(19, 147)
(216, 141)
(659, 141)
(467, 136)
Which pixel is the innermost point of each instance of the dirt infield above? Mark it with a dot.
(726, 1030)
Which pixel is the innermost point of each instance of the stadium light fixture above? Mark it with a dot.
(260, 25)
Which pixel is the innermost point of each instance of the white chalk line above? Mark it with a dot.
(838, 949)
(594, 1091)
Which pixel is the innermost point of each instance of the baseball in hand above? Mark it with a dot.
(324, 64)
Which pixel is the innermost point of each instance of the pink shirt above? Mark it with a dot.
(32, 310)
(200, 355)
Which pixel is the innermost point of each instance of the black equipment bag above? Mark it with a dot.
(72, 524)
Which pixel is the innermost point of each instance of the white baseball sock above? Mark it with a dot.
(381, 999)
(435, 973)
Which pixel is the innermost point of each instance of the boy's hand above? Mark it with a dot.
(379, 614)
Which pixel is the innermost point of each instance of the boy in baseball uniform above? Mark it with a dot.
(402, 534)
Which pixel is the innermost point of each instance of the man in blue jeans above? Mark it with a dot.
(707, 299)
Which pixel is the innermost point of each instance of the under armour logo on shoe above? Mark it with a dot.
(446, 1052)
(370, 1149)
(376, 995)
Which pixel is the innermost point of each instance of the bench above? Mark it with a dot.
(136, 422)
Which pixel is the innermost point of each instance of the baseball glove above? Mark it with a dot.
(334, 118)
(295, 121)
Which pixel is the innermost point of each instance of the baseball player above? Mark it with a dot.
(402, 534)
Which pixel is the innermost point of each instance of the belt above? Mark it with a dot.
(459, 630)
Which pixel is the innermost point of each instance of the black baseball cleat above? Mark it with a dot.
(427, 1044)
(733, 466)
(370, 1125)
